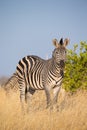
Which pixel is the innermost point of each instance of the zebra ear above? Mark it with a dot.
(66, 41)
(55, 43)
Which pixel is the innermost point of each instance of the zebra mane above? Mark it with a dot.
(61, 41)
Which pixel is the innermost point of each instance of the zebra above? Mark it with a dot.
(11, 84)
(35, 73)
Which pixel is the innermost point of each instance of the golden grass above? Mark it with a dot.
(72, 116)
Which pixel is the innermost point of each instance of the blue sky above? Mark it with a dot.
(27, 27)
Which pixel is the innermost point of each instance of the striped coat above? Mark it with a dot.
(35, 73)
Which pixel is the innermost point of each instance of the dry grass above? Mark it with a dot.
(72, 116)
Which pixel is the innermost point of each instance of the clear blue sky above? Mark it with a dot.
(28, 26)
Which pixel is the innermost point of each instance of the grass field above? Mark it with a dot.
(72, 116)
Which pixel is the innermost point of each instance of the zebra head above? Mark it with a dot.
(59, 53)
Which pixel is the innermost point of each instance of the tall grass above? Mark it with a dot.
(72, 115)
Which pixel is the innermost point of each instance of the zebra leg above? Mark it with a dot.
(56, 91)
(28, 96)
(47, 91)
(22, 96)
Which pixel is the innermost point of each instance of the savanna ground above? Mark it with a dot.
(72, 114)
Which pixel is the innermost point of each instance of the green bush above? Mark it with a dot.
(76, 68)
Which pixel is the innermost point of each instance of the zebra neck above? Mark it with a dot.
(55, 64)
(55, 67)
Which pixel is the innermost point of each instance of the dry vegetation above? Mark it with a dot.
(72, 115)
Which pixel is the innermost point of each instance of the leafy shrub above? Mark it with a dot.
(76, 68)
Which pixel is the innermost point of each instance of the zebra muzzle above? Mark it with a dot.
(62, 63)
